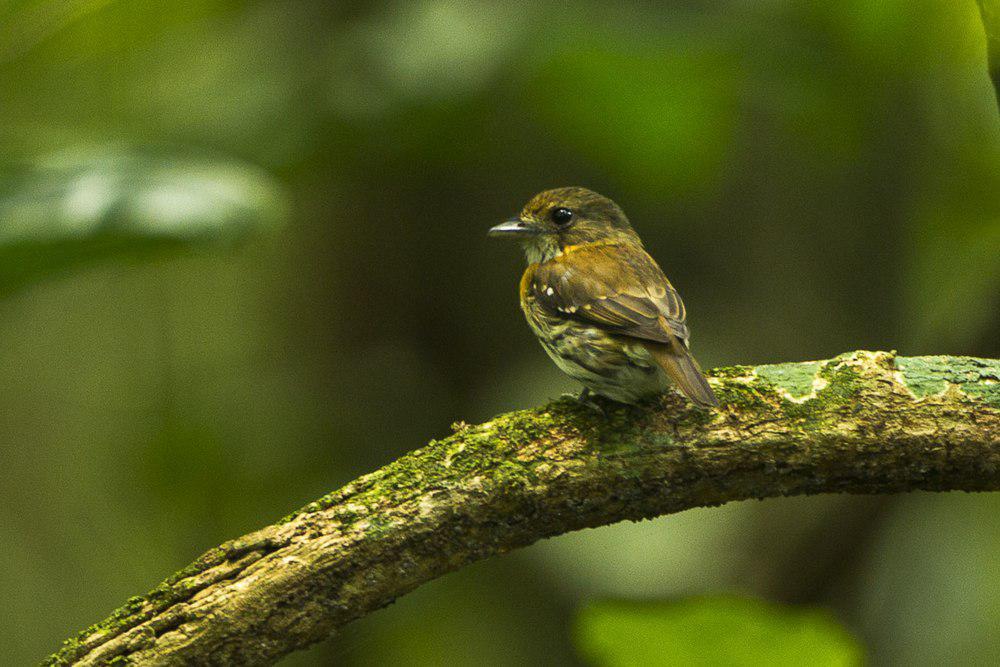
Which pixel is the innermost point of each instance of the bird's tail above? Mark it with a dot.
(675, 359)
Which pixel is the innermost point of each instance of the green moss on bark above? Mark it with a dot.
(930, 376)
(862, 422)
(796, 378)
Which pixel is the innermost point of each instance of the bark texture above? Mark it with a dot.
(864, 422)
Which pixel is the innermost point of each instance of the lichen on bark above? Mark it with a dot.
(864, 422)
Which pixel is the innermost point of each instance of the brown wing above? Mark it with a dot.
(680, 366)
(624, 291)
(621, 289)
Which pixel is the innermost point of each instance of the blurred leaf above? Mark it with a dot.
(928, 588)
(75, 207)
(989, 10)
(25, 25)
(953, 262)
(662, 115)
(712, 631)
(413, 52)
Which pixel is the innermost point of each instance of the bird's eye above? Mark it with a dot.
(561, 216)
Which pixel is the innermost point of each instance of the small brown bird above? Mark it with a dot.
(598, 303)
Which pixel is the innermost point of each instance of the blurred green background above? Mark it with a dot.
(243, 260)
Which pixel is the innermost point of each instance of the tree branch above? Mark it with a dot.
(865, 422)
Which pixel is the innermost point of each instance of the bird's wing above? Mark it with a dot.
(623, 291)
(620, 289)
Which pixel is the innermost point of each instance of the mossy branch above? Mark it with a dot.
(865, 422)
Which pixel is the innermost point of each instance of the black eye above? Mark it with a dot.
(561, 216)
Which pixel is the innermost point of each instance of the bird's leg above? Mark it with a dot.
(585, 399)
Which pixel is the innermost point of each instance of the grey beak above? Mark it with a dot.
(514, 227)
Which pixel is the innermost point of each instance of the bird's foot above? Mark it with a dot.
(585, 398)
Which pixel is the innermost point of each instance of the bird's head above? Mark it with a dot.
(556, 219)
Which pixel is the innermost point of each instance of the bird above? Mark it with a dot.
(599, 303)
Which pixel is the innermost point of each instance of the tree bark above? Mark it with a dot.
(864, 422)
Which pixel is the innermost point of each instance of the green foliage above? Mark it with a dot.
(989, 10)
(680, 94)
(75, 207)
(813, 176)
(712, 631)
(953, 262)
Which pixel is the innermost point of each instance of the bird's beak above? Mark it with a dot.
(514, 228)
